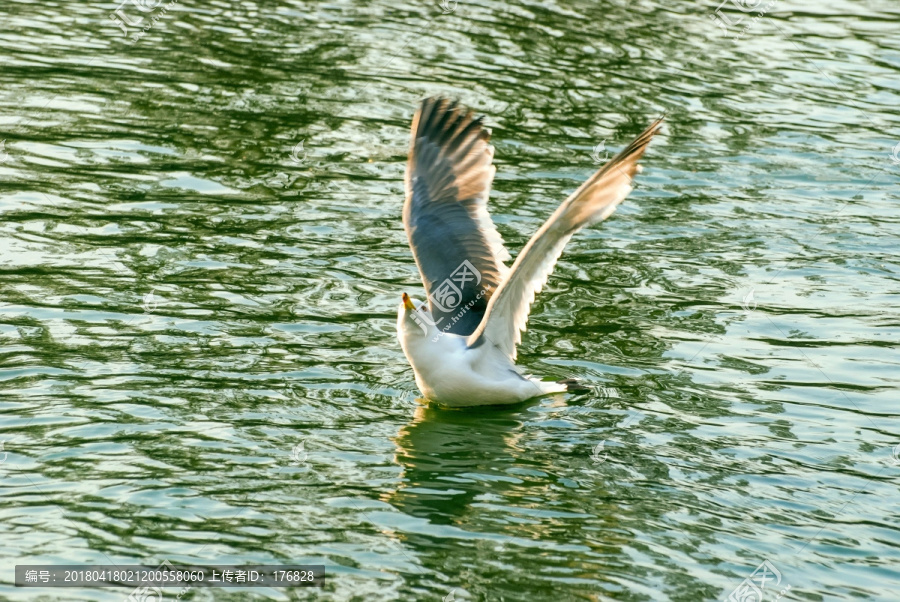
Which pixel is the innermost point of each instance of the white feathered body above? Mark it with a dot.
(452, 374)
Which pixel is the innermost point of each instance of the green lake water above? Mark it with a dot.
(201, 257)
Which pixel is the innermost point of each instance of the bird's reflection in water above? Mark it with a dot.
(451, 457)
(476, 480)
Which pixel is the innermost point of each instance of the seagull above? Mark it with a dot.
(461, 343)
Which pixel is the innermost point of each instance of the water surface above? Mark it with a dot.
(197, 352)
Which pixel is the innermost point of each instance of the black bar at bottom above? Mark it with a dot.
(168, 575)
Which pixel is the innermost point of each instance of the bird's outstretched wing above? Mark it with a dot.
(457, 247)
(594, 201)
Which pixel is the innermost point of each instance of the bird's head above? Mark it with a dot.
(413, 318)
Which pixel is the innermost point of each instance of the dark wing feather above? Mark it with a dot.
(457, 247)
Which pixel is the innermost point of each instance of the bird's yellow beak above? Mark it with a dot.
(407, 303)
